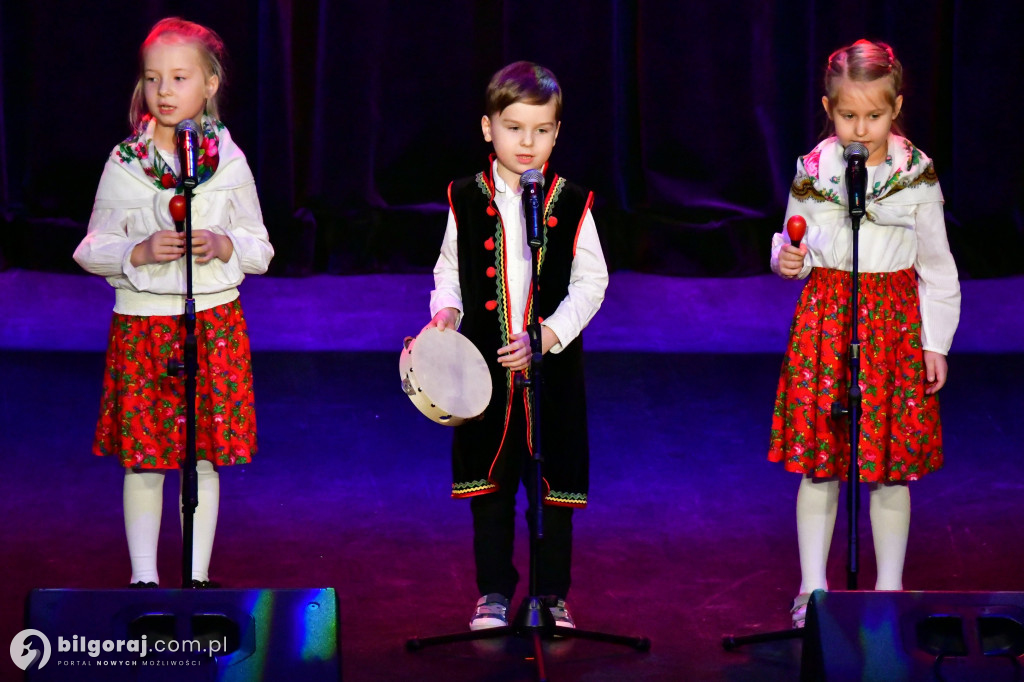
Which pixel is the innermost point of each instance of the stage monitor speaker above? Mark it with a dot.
(896, 636)
(181, 635)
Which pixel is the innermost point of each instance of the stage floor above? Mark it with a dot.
(690, 532)
(60, 312)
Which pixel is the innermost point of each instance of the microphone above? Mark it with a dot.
(532, 182)
(796, 226)
(856, 156)
(188, 141)
(177, 207)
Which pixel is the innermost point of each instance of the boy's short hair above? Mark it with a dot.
(522, 82)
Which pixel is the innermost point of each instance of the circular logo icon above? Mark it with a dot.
(30, 649)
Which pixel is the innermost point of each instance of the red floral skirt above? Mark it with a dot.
(142, 413)
(900, 436)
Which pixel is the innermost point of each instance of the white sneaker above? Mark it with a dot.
(560, 612)
(491, 612)
(799, 610)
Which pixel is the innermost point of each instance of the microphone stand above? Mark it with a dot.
(189, 367)
(533, 620)
(853, 410)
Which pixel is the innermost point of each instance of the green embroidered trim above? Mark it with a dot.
(501, 293)
(556, 191)
(499, 280)
(482, 184)
(472, 487)
(578, 499)
(549, 208)
(499, 273)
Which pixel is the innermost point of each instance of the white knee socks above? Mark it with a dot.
(204, 521)
(143, 504)
(816, 504)
(817, 501)
(890, 525)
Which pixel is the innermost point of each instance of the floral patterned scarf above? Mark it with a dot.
(820, 183)
(134, 174)
(905, 178)
(139, 152)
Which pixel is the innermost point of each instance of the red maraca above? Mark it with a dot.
(177, 207)
(796, 226)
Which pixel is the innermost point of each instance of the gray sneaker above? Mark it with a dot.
(491, 612)
(560, 612)
(799, 610)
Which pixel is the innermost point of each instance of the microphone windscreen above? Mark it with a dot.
(855, 151)
(188, 125)
(531, 177)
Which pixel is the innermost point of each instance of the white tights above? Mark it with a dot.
(143, 506)
(817, 501)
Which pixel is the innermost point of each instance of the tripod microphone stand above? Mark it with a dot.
(181, 212)
(533, 620)
(856, 156)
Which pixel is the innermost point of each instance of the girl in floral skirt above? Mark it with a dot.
(132, 242)
(908, 310)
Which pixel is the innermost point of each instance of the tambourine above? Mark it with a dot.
(445, 376)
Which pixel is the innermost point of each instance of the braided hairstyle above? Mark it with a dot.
(171, 30)
(864, 61)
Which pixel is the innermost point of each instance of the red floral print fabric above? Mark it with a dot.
(900, 437)
(142, 412)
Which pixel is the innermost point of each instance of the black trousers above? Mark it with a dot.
(494, 524)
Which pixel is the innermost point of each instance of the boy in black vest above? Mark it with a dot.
(483, 282)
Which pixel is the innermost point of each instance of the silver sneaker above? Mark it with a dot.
(799, 610)
(560, 612)
(491, 612)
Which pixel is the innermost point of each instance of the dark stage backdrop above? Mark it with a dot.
(685, 117)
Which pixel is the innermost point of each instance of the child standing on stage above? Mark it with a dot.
(908, 310)
(483, 282)
(132, 242)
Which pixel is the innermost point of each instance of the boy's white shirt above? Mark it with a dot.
(588, 277)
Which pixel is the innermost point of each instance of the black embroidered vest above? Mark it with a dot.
(476, 448)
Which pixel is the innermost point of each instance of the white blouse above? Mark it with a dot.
(129, 208)
(891, 238)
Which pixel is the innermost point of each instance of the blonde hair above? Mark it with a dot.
(864, 61)
(173, 29)
(522, 82)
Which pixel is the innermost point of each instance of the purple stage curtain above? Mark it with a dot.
(686, 118)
